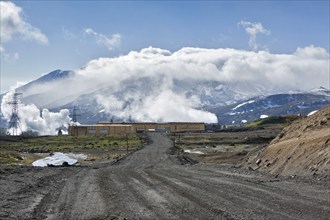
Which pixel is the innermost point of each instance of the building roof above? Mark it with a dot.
(104, 125)
(160, 123)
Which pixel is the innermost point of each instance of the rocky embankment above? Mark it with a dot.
(303, 148)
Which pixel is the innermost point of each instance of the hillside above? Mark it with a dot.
(291, 103)
(273, 120)
(302, 148)
(141, 98)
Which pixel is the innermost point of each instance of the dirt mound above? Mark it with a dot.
(303, 148)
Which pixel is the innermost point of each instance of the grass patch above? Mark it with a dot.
(11, 148)
(69, 143)
(9, 158)
(285, 120)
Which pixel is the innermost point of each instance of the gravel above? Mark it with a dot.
(152, 183)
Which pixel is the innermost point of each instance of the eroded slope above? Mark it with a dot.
(303, 148)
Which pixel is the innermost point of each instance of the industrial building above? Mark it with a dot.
(110, 128)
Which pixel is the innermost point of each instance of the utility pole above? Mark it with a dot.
(178, 150)
(74, 119)
(126, 143)
(74, 114)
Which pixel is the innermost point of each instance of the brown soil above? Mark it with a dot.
(152, 183)
(303, 148)
(227, 147)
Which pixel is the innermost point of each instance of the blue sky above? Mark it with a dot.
(68, 34)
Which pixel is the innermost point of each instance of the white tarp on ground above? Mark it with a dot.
(58, 158)
(193, 152)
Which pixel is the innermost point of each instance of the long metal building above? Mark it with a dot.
(110, 128)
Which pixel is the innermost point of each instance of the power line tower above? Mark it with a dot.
(14, 122)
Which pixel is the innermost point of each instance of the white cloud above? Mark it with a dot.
(31, 118)
(252, 29)
(67, 34)
(151, 84)
(312, 52)
(109, 42)
(13, 24)
(10, 58)
(169, 106)
(17, 84)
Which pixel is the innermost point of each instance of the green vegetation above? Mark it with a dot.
(9, 158)
(13, 149)
(69, 143)
(274, 120)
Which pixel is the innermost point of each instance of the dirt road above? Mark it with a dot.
(152, 184)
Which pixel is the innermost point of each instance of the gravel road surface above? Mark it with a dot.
(153, 184)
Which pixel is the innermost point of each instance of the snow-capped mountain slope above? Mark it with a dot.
(93, 106)
(214, 94)
(321, 91)
(47, 91)
(130, 97)
(49, 77)
(190, 84)
(278, 104)
(163, 99)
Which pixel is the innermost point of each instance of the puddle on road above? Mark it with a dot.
(58, 158)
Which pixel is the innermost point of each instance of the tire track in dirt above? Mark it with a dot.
(79, 199)
(250, 196)
(180, 207)
(208, 194)
(122, 201)
(151, 184)
(191, 193)
(234, 199)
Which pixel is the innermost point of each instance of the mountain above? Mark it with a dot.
(39, 91)
(321, 91)
(47, 91)
(140, 98)
(296, 102)
(220, 94)
(219, 102)
(47, 78)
